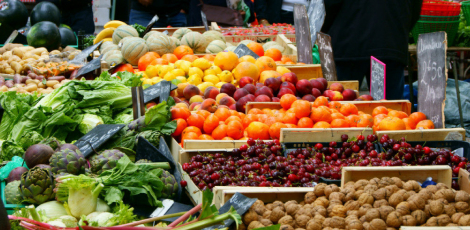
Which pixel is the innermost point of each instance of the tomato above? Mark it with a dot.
(124, 67)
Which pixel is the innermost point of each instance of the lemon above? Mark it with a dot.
(155, 80)
(225, 76)
(214, 70)
(211, 78)
(178, 72)
(220, 84)
(201, 63)
(203, 86)
(172, 65)
(182, 79)
(151, 71)
(194, 80)
(178, 63)
(185, 65)
(282, 70)
(195, 71)
(147, 82)
(163, 70)
(169, 76)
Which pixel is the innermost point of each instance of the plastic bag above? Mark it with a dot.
(315, 55)
(14, 163)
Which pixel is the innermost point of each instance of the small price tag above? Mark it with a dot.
(243, 50)
(97, 137)
(377, 79)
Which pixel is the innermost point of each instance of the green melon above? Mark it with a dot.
(122, 32)
(104, 45)
(230, 48)
(176, 41)
(276, 45)
(44, 34)
(216, 46)
(179, 33)
(109, 48)
(214, 35)
(45, 11)
(151, 33)
(133, 49)
(115, 59)
(195, 41)
(161, 44)
(111, 52)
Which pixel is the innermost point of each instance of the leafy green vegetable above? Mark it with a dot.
(89, 122)
(140, 29)
(15, 107)
(124, 117)
(88, 41)
(152, 136)
(10, 149)
(124, 77)
(208, 209)
(271, 227)
(159, 118)
(30, 138)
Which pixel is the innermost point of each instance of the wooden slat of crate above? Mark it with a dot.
(320, 135)
(289, 46)
(424, 134)
(267, 194)
(194, 193)
(200, 29)
(464, 180)
(439, 173)
(216, 144)
(306, 71)
(354, 85)
(434, 228)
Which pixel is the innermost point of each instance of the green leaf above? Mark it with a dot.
(113, 195)
(272, 227)
(169, 128)
(156, 117)
(208, 209)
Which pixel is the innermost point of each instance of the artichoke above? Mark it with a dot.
(12, 192)
(68, 161)
(137, 125)
(105, 161)
(37, 185)
(143, 161)
(170, 185)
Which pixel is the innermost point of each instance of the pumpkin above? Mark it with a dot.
(216, 46)
(179, 33)
(275, 45)
(151, 33)
(175, 40)
(133, 49)
(122, 32)
(114, 59)
(213, 35)
(161, 44)
(195, 41)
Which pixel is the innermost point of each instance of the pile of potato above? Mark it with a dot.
(376, 204)
(32, 83)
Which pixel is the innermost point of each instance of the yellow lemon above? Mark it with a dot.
(178, 63)
(172, 65)
(203, 86)
(225, 76)
(185, 65)
(214, 70)
(163, 70)
(220, 84)
(194, 80)
(151, 71)
(169, 76)
(201, 63)
(155, 80)
(182, 79)
(178, 72)
(195, 71)
(147, 82)
(211, 78)
(282, 70)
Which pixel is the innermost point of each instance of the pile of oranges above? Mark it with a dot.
(226, 124)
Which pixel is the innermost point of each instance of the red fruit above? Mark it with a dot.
(251, 141)
(292, 178)
(318, 146)
(243, 147)
(183, 183)
(427, 150)
(456, 170)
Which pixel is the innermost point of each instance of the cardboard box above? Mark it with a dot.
(101, 16)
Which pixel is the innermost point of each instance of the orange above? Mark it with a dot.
(379, 118)
(210, 123)
(235, 130)
(265, 63)
(417, 117)
(348, 109)
(285, 59)
(365, 120)
(399, 114)
(209, 57)
(305, 122)
(291, 126)
(248, 119)
(321, 100)
(159, 61)
(337, 116)
(256, 47)
(320, 114)
(262, 117)
(189, 57)
(270, 120)
(287, 100)
(233, 113)
(289, 118)
(410, 124)
(246, 69)
(233, 118)
(171, 58)
(425, 124)
(226, 60)
(302, 108)
(339, 123)
(392, 123)
(203, 113)
(196, 120)
(180, 112)
(273, 53)
(222, 113)
(145, 60)
(181, 124)
(220, 132)
(241, 115)
(258, 130)
(275, 130)
(182, 50)
(189, 136)
(322, 125)
(334, 105)
(268, 112)
(227, 139)
(247, 58)
(353, 120)
(192, 129)
(379, 110)
(255, 111)
(205, 137)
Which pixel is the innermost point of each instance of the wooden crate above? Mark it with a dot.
(426, 134)
(364, 106)
(464, 180)
(439, 173)
(320, 135)
(216, 144)
(171, 30)
(306, 71)
(267, 194)
(435, 228)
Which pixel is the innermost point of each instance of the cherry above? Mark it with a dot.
(292, 178)
(456, 170)
(373, 154)
(251, 141)
(318, 146)
(355, 148)
(360, 137)
(243, 148)
(455, 159)
(333, 144)
(344, 138)
(408, 156)
(427, 150)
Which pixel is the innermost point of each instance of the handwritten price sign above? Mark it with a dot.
(377, 79)
(316, 14)
(327, 61)
(302, 35)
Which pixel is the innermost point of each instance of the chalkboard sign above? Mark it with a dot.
(302, 35)
(80, 58)
(327, 60)
(204, 20)
(432, 76)
(243, 50)
(161, 90)
(97, 137)
(316, 16)
(240, 203)
(90, 66)
(377, 79)
(150, 25)
(1, 113)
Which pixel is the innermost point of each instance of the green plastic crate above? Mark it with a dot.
(466, 10)
(439, 18)
(11, 208)
(450, 27)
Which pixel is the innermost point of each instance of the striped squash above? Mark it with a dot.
(176, 41)
(111, 52)
(161, 44)
(213, 35)
(133, 49)
(122, 32)
(151, 33)
(179, 33)
(104, 45)
(216, 46)
(115, 59)
(109, 48)
(195, 41)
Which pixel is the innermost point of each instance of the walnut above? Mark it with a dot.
(255, 224)
(319, 210)
(419, 216)
(350, 183)
(403, 208)
(363, 219)
(266, 222)
(385, 181)
(452, 225)
(313, 225)
(241, 226)
(360, 184)
(412, 185)
(442, 186)
(380, 203)
(292, 209)
(427, 210)
(464, 220)
(337, 222)
(366, 198)
(335, 202)
(322, 201)
(381, 193)
(398, 182)
(461, 206)
(352, 205)
(310, 206)
(447, 194)
(267, 214)
(330, 189)
(319, 218)
(310, 197)
(336, 196)
(358, 193)
(378, 224)
(366, 225)
(395, 199)
(374, 181)
(258, 207)
(326, 223)
(416, 202)
(456, 217)
(348, 197)
(278, 204)
(352, 213)
(277, 214)
(394, 219)
(301, 221)
(432, 188)
(338, 210)
(269, 207)
(443, 220)
(407, 194)
(436, 208)
(370, 188)
(408, 220)
(250, 216)
(347, 190)
(299, 229)
(349, 218)
(290, 202)
(372, 213)
(426, 194)
(355, 224)
(286, 220)
(384, 211)
(286, 227)
(363, 209)
(302, 203)
(462, 196)
(432, 221)
(392, 188)
(304, 211)
(319, 189)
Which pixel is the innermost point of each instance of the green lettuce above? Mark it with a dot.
(89, 122)
(123, 77)
(9, 150)
(30, 138)
(124, 117)
(15, 107)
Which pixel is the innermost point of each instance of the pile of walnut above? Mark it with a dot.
(378, 204)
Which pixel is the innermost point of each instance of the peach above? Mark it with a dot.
(324, 81)
(328, 93)
(366, 97)
(262, 98)
(182, 105)
(276, 99)
(251, 97)
(196, 98)
(195, 106)
(259, 85)
(228, 88)
(316, 84)
(289, 77)
(240, 93)
(273, 83)
(241, 104)
(268, 74)
(349, 95)
(337, 96)
(219, 97)
(190, 91)
(211, 92)
(284, 91)
(232, 107)
(209, 104)
(181, 87)
(289, 86)
(309, 97)
(227, 100)
(337, 87)
(316, 92)
(304, 87)
(245, 80)
(250, 88)
(264, 91)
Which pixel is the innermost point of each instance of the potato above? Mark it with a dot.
(9, 70)
(39, 51)
(16, 67)
(31, 87)
(18, 51)
(3, 50)
(51, 83)
(11, 46)
(54, 52)
(4, 88)
(14, 58)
